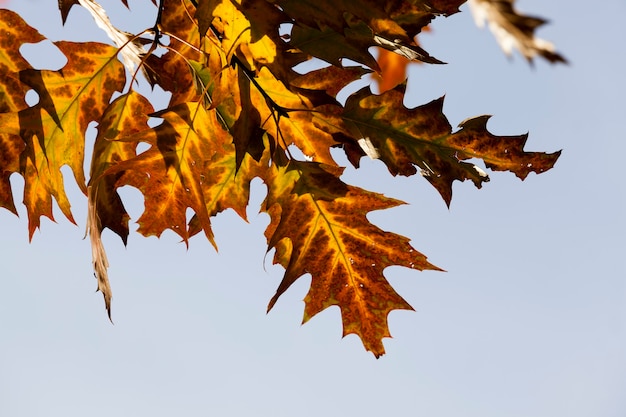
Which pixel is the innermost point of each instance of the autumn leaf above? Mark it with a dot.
(330, 79)
(14, 32)
(230, 184)
(65, 6)
(228, 92)
(421, 140)
(12, 96)
(334, 46)
(171, 71)
(290, 117)
(54, 129)
(342, 29)
(127, 115)
(171, 173)
(319, 226)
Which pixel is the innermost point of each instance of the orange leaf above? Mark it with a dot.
(392, 69)
(172, 173)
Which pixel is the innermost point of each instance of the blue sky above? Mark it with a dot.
(529, 320)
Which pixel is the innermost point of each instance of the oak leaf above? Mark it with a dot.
(421, 140)
(170, 71)
(54, 129)
(171, 173)
(319, 226)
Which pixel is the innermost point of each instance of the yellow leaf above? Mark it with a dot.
(297, 126)
(54, 129)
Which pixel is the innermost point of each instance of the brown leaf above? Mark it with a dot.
(204, 14)
(421, 140)
(446, 7)
(65, 6)
(341, 29)
(330, 79)
(11, 146)
(319, 226)
(228, 186)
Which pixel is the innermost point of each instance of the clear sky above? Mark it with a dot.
(529, 320)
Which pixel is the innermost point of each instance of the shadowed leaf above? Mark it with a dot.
(65, 6)
(127, 115)
(12, 95)
(421, 140)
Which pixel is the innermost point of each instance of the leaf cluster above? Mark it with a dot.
(239, 110)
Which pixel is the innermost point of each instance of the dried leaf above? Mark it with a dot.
(513, 30)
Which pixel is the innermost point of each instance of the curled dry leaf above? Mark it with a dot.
(513, 30)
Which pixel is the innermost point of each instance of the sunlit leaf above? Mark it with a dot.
(54, 129)
(329, 237)
(173, 174)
